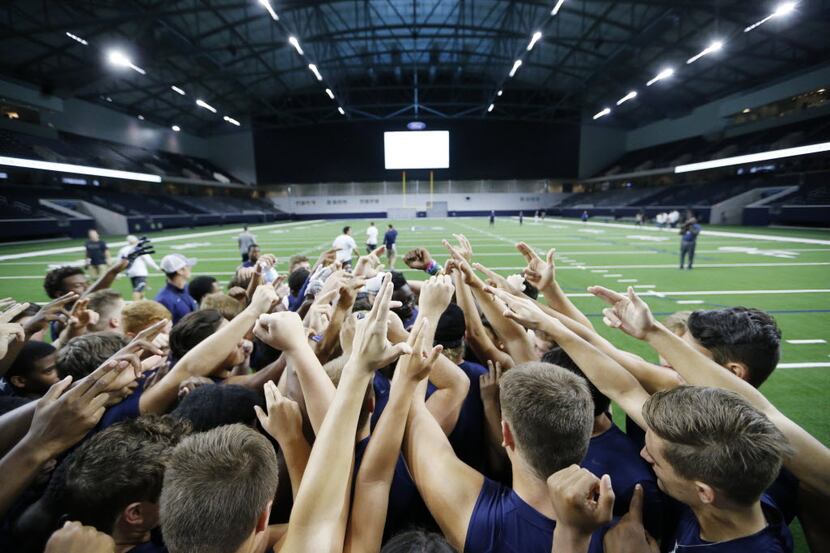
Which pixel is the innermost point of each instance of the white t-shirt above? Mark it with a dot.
(344, 244)
(139, 266)
(372, 236)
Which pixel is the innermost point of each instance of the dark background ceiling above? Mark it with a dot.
(371, 54)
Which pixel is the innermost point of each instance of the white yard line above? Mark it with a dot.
(801, 365)
(800, 342)
(705, 232)
(160, 239)
(689, 302)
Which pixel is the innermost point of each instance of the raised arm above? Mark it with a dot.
(542, 274)
(629, 313)
(374, 478)
(317, 525)
(108, 277)
(607, 375)
(203, 359)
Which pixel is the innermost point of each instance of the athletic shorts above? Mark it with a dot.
(139, 283)
(391, 250)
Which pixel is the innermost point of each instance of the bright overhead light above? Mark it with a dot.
(664, 74)
(491, 108)
(754, 158)
(140, 117)
(176, 128)
(746, 110)
(537, 36)
(783, 9)
(76, 38)
(603, 113)
(341, 110)
(231, 120)
(267, 5)
(516, 65)
(296, 44)
(203, 104)
(120, 59)
(500, 92)
(313, 69)
(177, 90)
(630, 96)
(330, 93)
(714, 47)
(557, 7)
(77, 169)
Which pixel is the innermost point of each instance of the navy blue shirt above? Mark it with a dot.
(691, 234)
(775, 538)
(615, 454)
(96, 252)
(178, 302)
(784, 493)
(503, 523)
(389, 238)
(467, 438)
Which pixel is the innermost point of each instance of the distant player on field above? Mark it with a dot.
(492, 218)
(138, 270)
(245, 240)
(389, 241)
(371, 238)
(345, 246)
(688, 241)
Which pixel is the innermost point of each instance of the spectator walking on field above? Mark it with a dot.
(245, 240)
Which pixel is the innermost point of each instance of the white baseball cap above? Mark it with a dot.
(175, 261)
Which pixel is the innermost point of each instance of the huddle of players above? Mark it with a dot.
(296, 428)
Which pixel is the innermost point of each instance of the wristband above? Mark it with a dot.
(434, 268)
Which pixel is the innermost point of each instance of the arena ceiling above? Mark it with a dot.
(403, 59)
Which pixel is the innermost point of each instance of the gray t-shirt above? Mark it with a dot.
(245, 240)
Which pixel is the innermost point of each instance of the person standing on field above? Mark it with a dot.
(245, 240)
(371, 238)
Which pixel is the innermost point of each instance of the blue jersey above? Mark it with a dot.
(503, 523)
(177, 301)
(389, 238)
(615, 454)
(775, 538)
(467, 438)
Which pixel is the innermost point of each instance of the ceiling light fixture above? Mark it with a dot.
(516, 65)
(267, 5)
(714, 47)
(313, 69)
(537, 36)
(602, 113)
(664, 74)
(630, 96)
(202, 104)
(783, 9)
(296, 44)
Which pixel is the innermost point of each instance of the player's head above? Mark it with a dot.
(218, 490)
(558, 357)
(372, 223)
(245, 228)
(63, 280)
(709, 446)
(176, 266)
(296, 262)
(253, 253)
(83, 354)
(132, 239)
(92, 234)
(195, 327)
(229, 307)
(201, 286)
(744, 340)
(140, 314)
(33, 370)
(347, 230)
(214, 405)
(547, 417)
(113, 480)
(390, 226)
(108, 304)
(404, 294)
(449, 332)
(296, 279)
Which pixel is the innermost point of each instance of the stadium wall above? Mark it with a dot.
(353, 151)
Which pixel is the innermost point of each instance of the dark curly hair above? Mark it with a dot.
(53, 283)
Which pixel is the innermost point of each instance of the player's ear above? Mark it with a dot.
(507, 440)
(738, 369)
(705, 492)
(262, 520)
(18, 381)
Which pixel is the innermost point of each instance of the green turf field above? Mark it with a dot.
(790, 279)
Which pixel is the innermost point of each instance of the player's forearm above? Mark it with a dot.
(318, 389)
(558, 300)
(452, 388)
(512, 334)
(296, 453)
(19, 467)
(570, 540)
(329, 344)
(14, 425)
(105, 281)
(477, 337)
(608, 376)
(315, 524)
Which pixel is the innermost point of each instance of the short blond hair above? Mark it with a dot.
(140, 314)
(223, 303)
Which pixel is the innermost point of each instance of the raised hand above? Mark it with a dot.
(80, 317)
(521, 309)
(417, 365)
(436, 294)
(13, 311)
(464, 248)
(371, 348)
(627, 312)
(283, 421)
(75, 538)
(418, 258)
(497, 281)
(369, 265)
(283, 331)
(489, 383)
(326, 258)
(319, 315)
(540, 273)
(582, 502)
(264, 299)
(62, 418)
(629, 534)
(52, 311)
(9, 332)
